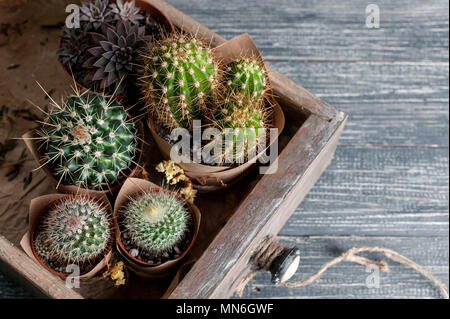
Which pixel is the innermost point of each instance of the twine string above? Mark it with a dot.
(269, 250)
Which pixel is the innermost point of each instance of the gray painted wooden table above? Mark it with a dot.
(388, 184)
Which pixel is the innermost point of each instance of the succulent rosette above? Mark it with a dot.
(114, 55)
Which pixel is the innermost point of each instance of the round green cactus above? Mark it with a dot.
(76, 230)
(246, 76)
(156, 221)
(240, 120)
(89, 141)
(179, 77)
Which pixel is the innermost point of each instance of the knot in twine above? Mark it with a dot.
(269, 250)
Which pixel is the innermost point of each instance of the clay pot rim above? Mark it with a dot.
(55, 202)
(156, 13)
(113, 188)
(193, 229)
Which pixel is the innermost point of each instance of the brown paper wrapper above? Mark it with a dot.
(133, 186)
(214, 177)
(38, 206)
(33, 147)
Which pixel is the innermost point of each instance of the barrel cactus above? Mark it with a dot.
(156, 221)
(180, 76)
(246, 76)
(75, 230)
(88, 141)
(240, 119)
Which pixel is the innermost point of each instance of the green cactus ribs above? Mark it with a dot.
(246, 76)
(89, 141)
(75, 230)
(179, 78)
(156, 225)
(240, 119)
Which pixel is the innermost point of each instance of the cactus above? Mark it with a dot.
(76, 230)
(240, 118)
(246, 76)
(88, 141)
(156, 221)
(179, 77)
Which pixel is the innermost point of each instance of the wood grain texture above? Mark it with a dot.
(378, 192)
(347, 280)
(398, 104)
(324, 30)
(19, 265)
(264, 211)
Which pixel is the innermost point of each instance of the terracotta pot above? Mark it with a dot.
(213, 177)
(134, 187)
(39, 206)
(159, 16)
(33, 147)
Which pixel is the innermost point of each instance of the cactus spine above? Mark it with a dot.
(240, 120)
(75, 230)
(242, 111)
(156, 221)
(180, 76)
(88, 141)
(247, 77)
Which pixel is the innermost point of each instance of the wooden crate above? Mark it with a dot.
(233, 223)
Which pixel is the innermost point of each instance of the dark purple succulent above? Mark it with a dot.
(114, 56)
(126, 11)
(93, 14)
(74, 46)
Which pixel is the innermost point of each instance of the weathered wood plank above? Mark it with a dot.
(264, 211)
(389, 103)
(378, 192)
(347, 280)
(331, 30)
(16, 263)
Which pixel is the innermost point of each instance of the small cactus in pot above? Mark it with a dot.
(89, 141)
(240, 118)
(74, 230)
(156, 222)
(179, 78)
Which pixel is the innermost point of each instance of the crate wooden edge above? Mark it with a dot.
(22, 269)
(263, 213)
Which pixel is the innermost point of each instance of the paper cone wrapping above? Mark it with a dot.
(33, 147)
(38, 206)
(214, 176)
(130, 188)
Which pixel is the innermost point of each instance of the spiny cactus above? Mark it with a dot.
(88, 141)
(246, 76)
(156, 221)
(76, 230)
(179, 77)
(240, 120)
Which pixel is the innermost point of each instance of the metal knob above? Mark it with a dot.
(285, 265)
